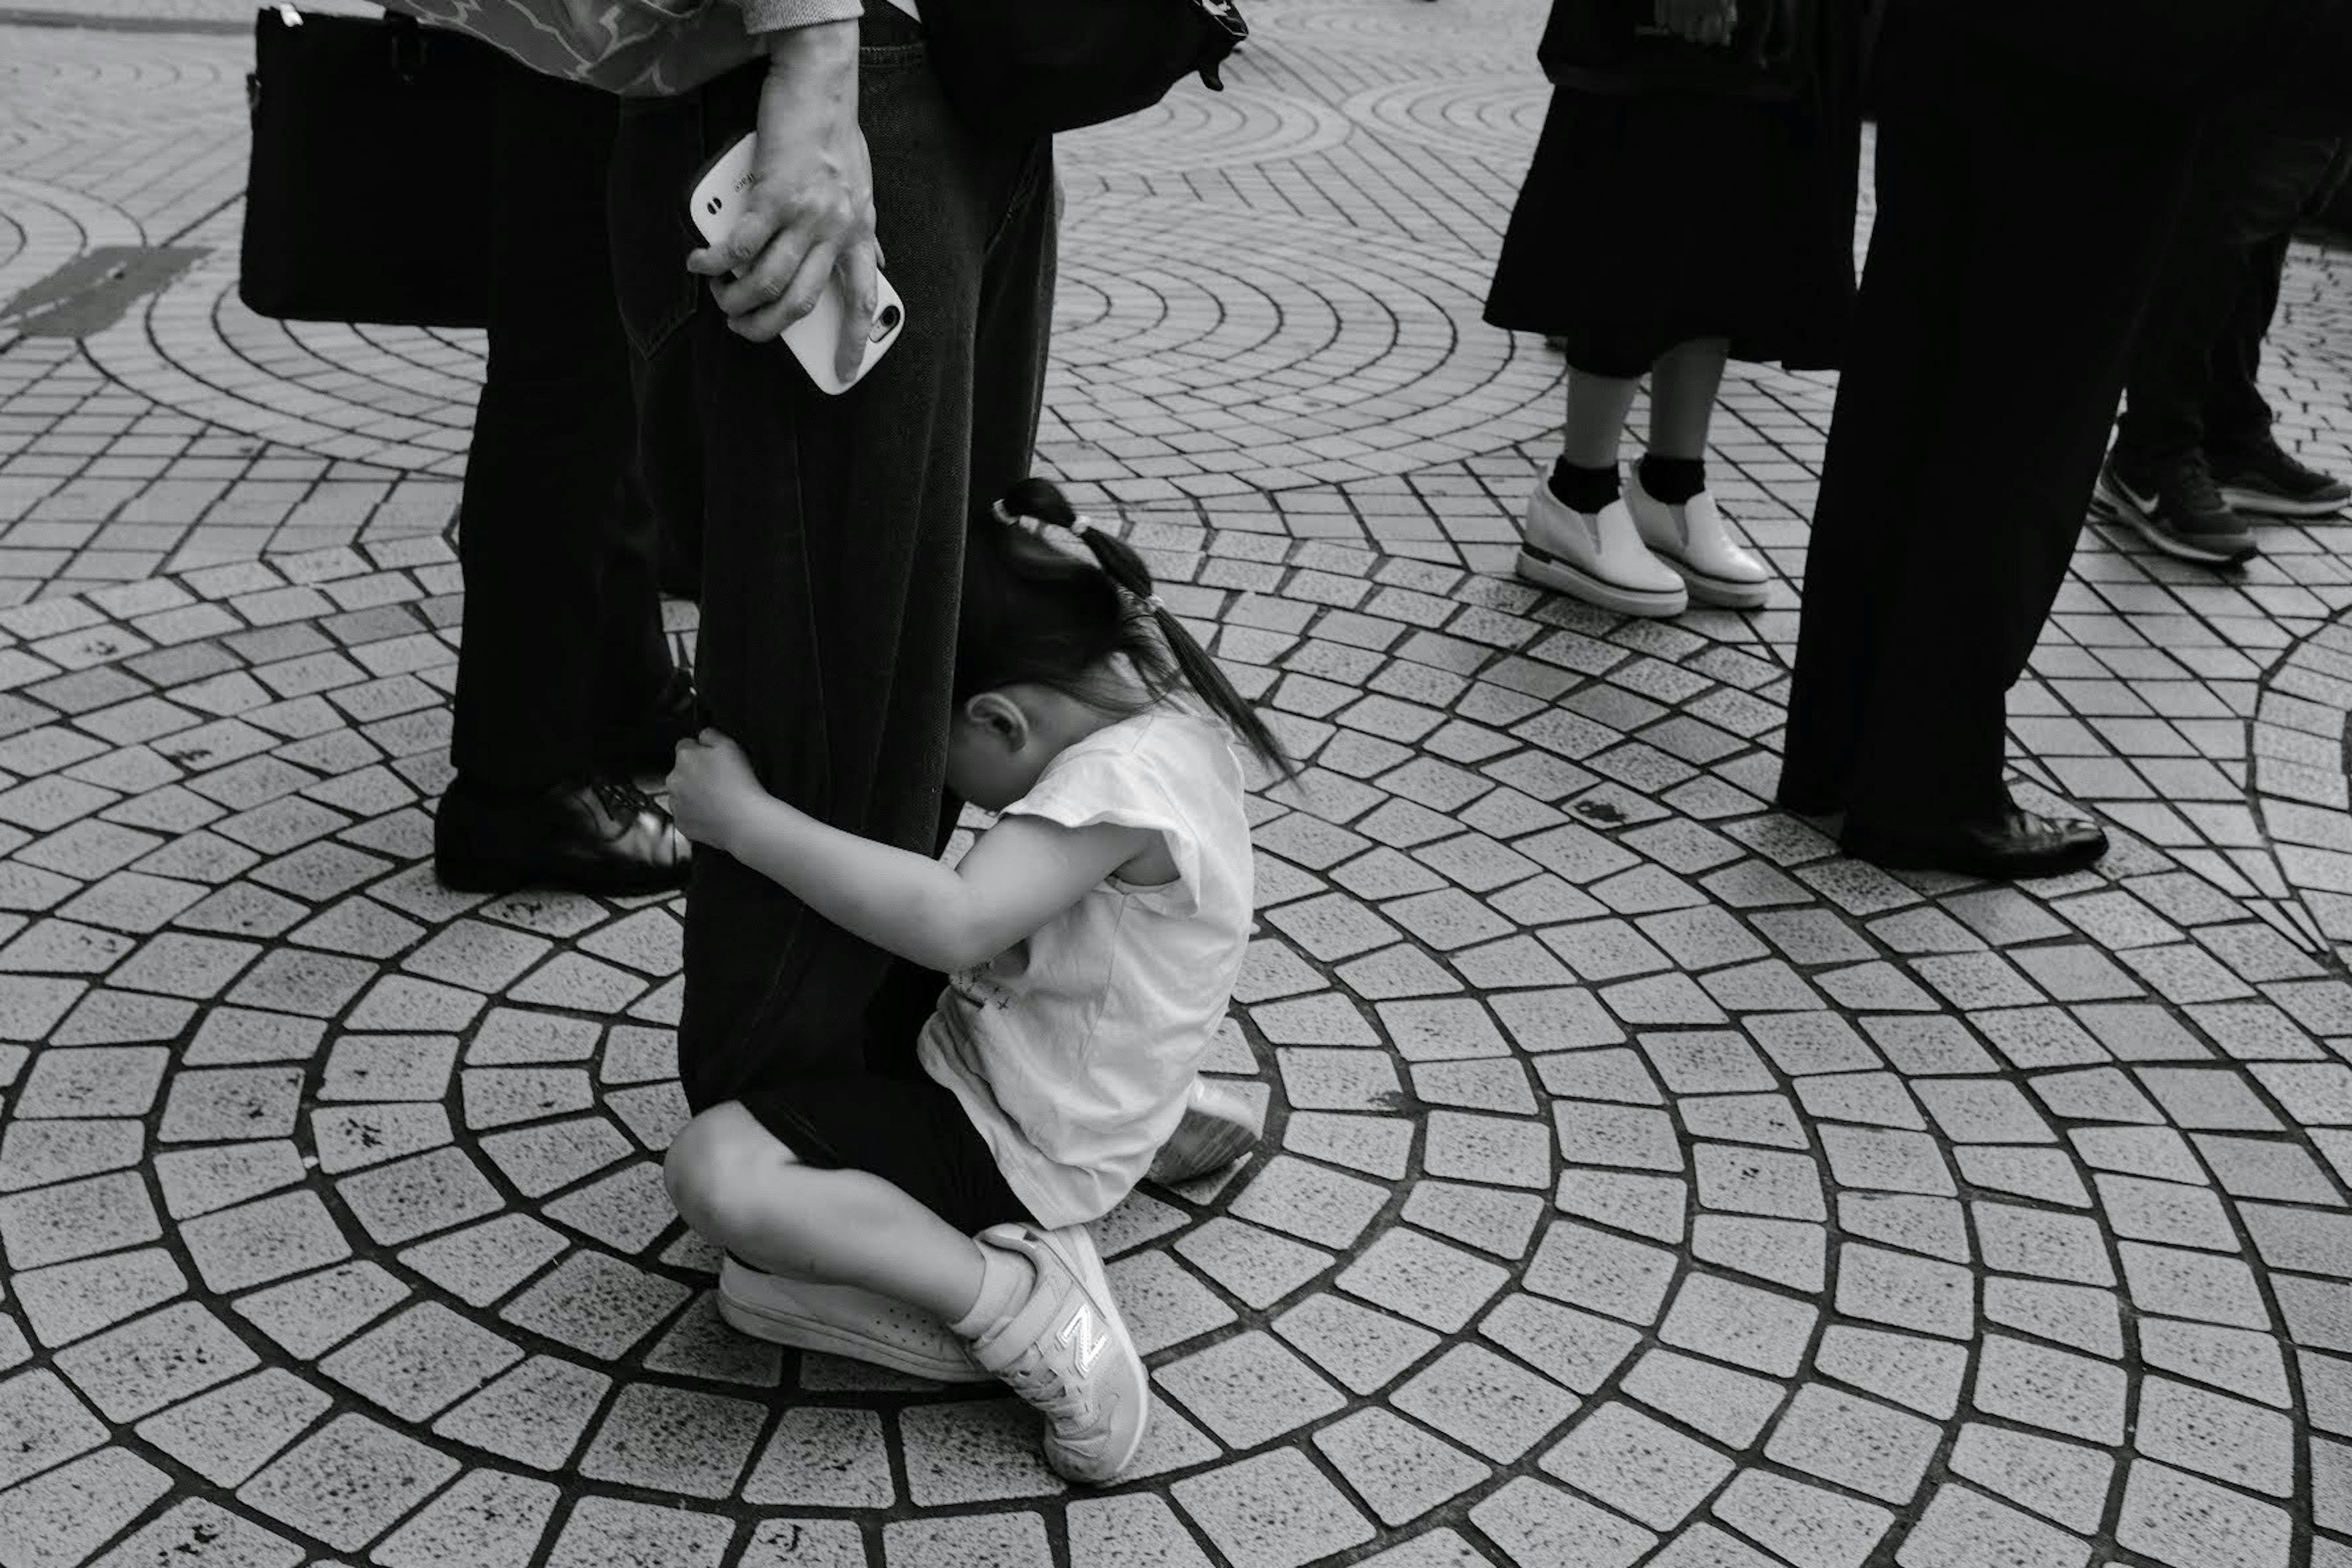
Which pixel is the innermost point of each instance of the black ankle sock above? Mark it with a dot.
(1584, 489)
(1674, 480)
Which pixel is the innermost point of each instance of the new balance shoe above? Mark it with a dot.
(2177, 508)
(843, 1321)
(1596, 556)
(1695, 540)
(2268, 482)
(1065, 1351)
(1218, 1128)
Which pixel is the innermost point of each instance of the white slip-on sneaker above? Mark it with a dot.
(1065, 1351)
(1598, 557)
(843, 1321)
(1218, 1128)
(1695, 540)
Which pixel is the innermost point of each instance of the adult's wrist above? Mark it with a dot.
(805, 34)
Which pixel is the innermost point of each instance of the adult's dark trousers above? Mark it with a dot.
(2193, 380)
(564, 647)
(2021, 213)
(831, 528)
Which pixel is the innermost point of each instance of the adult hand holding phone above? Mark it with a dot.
(810, 212)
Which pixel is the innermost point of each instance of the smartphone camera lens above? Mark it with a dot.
(886, 321)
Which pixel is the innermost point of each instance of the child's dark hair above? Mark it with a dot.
(1034, 614)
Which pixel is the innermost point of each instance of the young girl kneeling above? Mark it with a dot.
(1092, 936)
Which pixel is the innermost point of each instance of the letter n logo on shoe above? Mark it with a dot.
(1084, 1337)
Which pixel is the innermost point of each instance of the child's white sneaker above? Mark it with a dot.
(1218, 1128)
(841, 1319)
(1063, 1350)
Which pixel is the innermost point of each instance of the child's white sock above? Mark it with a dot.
(1005, 1280)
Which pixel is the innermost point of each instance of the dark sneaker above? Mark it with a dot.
(603, 837)
(2271, 483)
(2177, 510)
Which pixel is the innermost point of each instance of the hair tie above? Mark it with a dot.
(1004, 514)
(1080, 524)
(1156, 604)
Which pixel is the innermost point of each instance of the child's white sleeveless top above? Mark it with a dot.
(1073, 1051)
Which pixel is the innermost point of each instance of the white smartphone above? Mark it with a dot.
(716, 201)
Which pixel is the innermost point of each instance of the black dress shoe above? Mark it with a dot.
(601, 837)
(2013, 846)
(649, 745)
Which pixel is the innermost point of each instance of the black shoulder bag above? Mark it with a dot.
(1023, 68)
(367, 198)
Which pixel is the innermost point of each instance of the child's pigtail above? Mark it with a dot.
(1040, 501)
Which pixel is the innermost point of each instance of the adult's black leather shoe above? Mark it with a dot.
(649, 744)
(2013, 846)
(601, 837)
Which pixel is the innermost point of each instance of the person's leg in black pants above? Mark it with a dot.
(2192, 390)
(833, 528)
(2295, 176)
(565, 676)
(2021, 216)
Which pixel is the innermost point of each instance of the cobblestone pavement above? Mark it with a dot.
(1644, 1180)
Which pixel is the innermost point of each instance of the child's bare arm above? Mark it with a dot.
(1021, 873)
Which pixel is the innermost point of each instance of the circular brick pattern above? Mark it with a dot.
(1494, 119)
(1637, 1169)
(1178, 355)
(1253, 121)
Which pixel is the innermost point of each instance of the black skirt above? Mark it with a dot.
(1647, 221)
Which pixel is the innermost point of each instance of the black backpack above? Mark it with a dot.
(1023, 68)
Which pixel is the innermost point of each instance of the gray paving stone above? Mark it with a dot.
(1590, 1268)
(1906, 1291)
(1637, 1465)
(824, 1457)
(1921, 1374)
(1807, 1525)
(421, 1362)
(346, 1483)
(199, 1534)
(2054, 1390)
(64, 1516)
(535, 1414)
(2185, 1521)
(75, 1220)
(257, 1243)
(2063, 1481)
(2184, 1284)
(1401, 1471)
(227, 1434)
(1750, 1181)
(2237, 1360)
(598, 1305)
(1306, 1201)
(71, 1301)
(1164, 1303)
(968, 1541)
(1422, 1279)
(1875, 1450)
(608, 1532)
(1732, 1407)
(2213, 1435)
(1363, 1349)
(1738, 1324)
(310, 1315)
(489, 1519)
(674, 1440)
(2078, 1315)
(1249, 1389)
(1272, 1510)
(156, 1360)
(1784, 1252)
(1133, 1531)
(44, 1423)
(1258, 1266)
(1961, 1527)
(1535, 1521)
(417, 1196)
